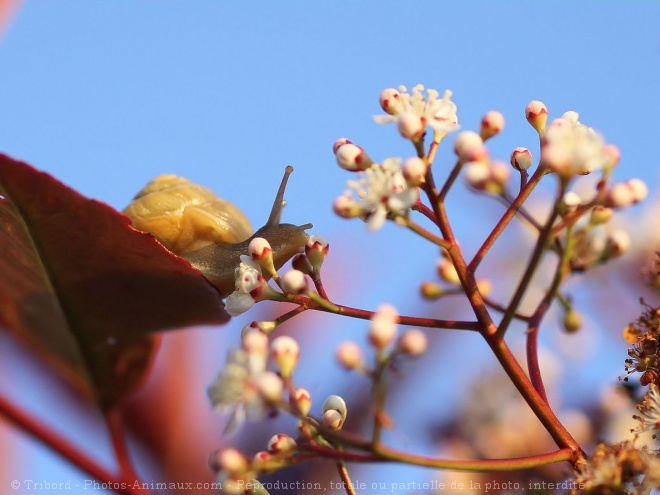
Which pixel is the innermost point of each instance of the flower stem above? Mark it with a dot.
(64, 448)
(346, 479)
(506, 218)
(533, 264)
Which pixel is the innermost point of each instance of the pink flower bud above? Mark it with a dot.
(339, 142)
(281, 443)
(262, 459)
(413, 342)
(613, 156)
(332, 419)
(537, 115)
(254, 341)
(383, 326)
(500, 173)
(294, 282)
(477, 174)
(626, 193)
(270, 386)
(259, 248)
(414, 171)
(410, 125)
(469, 146)
(301, 400)
(521, 159)
(260, 251)
(285, 352)
(316, 249)
(491, 124)
(232, 461)
(389, 101)
(349, 355)
(352, 158)
(346, 207)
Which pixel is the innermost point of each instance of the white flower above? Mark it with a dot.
(239, 387)
(382, 189)
(571, 148)
(401, 107)
(248, 278)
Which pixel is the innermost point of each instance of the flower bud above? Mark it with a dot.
(260, 251)
(352, 158)
(345, 206)
(316, 249)
(285, 352)
(485, 286)
(270, 386)
(537, 115)
(616, 244)
(338, 143)
(281, 443)
(470, 147)
(613, 156)
(254, 340)
(521, 159)
(447, 271)
(336, 403)
(477, 175)
(230, 460)
(600, 215)
(383, 326)
(294, 282)
(631, 334)
(639, 190)
(626, 193)
(414, 171)
(491, 124)
(332, 419)
(349, 355)
(261, 460)
(572, 321)
(569, 202)
(500, 173)
(431, 291)
(301, 400)
(410, 125)
(389, 101)
(413, 342)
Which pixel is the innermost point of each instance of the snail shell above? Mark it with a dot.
(211, 233)
(185, 217)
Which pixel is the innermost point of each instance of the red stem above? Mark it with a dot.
(63, 447)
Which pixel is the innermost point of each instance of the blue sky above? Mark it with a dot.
(107, 95)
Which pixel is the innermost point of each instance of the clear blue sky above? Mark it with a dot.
(107, 95)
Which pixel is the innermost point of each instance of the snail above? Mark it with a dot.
(209, 232)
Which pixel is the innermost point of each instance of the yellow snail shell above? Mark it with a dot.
(184, 216)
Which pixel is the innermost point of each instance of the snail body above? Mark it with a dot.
(209, 232)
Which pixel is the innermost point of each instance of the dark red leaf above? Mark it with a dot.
(84, 288)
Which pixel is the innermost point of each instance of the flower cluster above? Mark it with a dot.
(414, 112)
(644, 355)
(620, 468)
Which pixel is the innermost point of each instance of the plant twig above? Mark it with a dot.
(64, 448)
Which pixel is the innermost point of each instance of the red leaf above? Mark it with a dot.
(87, 290)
